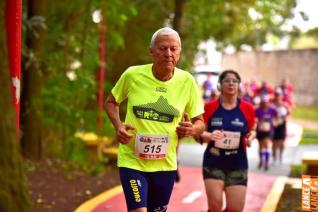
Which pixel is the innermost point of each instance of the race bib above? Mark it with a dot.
(231, 140)
(151, 147)
(264, 126)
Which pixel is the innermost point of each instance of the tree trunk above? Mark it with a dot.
(14, 194)
(178, 13)
(32, 83)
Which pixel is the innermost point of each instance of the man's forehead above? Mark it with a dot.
(167, 40)
(163, 43)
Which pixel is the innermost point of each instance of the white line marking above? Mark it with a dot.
(192, 197)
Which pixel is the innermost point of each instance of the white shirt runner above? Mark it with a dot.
(151, 147)
(231, 140)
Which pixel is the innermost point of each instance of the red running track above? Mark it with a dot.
(189, 194)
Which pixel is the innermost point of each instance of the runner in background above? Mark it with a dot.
(208, 88)
(287, 91)
(254, 84)
(265, 90)
(247, 93)
(280, 126)
(287, 86)
(265, 115)
(230, 127)
(163, 105)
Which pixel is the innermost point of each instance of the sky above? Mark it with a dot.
(310, 8)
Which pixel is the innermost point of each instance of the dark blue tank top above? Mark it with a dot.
(228, 120)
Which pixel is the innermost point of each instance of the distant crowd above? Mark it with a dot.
(253, 91)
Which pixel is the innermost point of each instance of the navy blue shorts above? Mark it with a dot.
(151, 190)
(263, 135)
(280, 132)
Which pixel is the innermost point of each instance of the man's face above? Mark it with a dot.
(166, 52)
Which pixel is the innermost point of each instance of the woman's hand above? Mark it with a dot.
(216, 135)
(250, 137)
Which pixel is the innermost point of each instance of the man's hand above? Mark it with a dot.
(123, 136)
(185, 127)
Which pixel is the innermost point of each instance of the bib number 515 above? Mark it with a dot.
(152, 148)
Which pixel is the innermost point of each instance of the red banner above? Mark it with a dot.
(13, 14)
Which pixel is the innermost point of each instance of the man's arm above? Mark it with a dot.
(112, 110)
(198, 125)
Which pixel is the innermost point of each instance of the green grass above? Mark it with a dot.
(296, 170)
(308, 113)
(309, 137)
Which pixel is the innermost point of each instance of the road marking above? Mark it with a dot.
(192, 197)
(91, 204)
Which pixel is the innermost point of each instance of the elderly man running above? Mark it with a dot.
(164, 105)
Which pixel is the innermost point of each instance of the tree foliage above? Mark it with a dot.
(69, 60)
(305, 40)
(226, 22)
(231, 23)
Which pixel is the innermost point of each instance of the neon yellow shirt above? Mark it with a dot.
(155, 107)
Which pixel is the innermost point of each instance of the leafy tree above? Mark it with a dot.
(304, 40)
(313, 32)
(230, 23)
(139, 20)
(59, 69)
(65, 101)
(67, 63)
(14, 194)
(226, 22)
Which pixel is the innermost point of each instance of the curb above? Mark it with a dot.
(91, 204)
(274, 195)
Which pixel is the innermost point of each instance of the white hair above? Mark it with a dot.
(164, 31)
